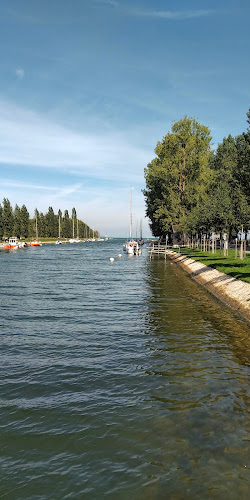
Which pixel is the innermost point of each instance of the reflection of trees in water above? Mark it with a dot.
(196, 389)
(183, 313)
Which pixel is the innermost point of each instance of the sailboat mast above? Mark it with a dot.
(73, 226)
(59, 229)
(36, 228)
(130, 222)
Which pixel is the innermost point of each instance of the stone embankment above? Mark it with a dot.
(235, 293)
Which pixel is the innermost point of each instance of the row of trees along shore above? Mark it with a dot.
(196, 188)
(17, 222)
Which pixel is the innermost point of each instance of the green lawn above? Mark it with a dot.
(239, 269)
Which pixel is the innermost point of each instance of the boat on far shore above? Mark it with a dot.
(35, 243)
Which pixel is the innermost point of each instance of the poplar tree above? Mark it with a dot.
(7, 218)
(66, 225)
(1, 221)
(24, 216)
(178, 175)
(17, 222)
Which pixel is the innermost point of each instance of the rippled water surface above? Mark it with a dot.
(123, 380)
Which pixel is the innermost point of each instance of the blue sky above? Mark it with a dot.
(88, 87)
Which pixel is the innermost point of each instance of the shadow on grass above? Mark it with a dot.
(237, 275)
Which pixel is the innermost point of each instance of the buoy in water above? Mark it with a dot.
(111, 259)
(119, 255)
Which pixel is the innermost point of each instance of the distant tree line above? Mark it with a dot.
(17, 222)
(198, 189)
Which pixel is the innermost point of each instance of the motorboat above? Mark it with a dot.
(35, 243)
(13, 243)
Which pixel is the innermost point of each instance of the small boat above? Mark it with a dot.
(13, 243)
(58, 242)
(74, 240)
(131, 247)
(35, 243)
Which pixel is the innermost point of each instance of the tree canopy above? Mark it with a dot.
(196, 188)
(18, 223)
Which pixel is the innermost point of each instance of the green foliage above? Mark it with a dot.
(201, 191)
(1, 222)
(177, 177)
(7, 219)
(17, 226)
(24, 215)
(17, 223)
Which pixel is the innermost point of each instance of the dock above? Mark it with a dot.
(157, 249)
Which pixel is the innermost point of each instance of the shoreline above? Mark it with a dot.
(232, 292)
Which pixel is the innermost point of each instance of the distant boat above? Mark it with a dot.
(35, 243)
(13, 243)
(131, 247)
(58, 242)
(73, 239)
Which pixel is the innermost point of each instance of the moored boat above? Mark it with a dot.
(35, 243)
(131, 247)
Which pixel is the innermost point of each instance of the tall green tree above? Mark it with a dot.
(66, 225)
(1, 222)
(17, 229)
(51, 223)
(24, 217)
(74, 217)
(178, 175)
(7, 218)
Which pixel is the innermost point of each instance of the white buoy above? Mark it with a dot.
(111, 259)
(119, 255)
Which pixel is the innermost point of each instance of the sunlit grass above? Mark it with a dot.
(239, 269)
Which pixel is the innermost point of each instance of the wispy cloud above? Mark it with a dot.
(174, 15)
(29, 139)
(171, 15)
(20, 73)
(58, 191)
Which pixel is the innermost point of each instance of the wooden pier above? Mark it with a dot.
(156, 249)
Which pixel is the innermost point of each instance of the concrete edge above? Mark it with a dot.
(232, 292)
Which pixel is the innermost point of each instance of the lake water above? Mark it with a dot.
(123, 380)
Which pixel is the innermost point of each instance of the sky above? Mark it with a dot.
(88, 87)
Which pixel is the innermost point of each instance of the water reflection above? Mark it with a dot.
(199, 364)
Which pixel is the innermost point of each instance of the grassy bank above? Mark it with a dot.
(239, 269)
(47, 240)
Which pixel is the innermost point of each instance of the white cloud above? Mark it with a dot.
(29, 139)
(172, 15)
(20, 73)
(175, 15)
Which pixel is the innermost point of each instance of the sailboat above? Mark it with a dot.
(35, 242)
(131, 246)
(73, 239)
(58, 242)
